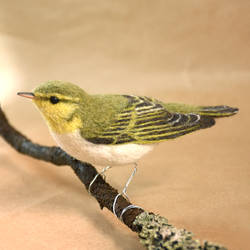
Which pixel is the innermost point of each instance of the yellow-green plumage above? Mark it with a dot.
(115, 129)
(121, 119)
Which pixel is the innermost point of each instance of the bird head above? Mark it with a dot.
(60, 103)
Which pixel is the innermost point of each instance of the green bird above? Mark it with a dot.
(114, 130)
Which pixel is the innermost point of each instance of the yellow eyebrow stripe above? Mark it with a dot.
(59, 96)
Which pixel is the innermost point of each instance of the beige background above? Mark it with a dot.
(195, 52)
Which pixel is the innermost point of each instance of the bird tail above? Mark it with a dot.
(217, 111)
(211, 111)
(208, 114)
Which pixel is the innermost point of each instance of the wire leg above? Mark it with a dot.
(124, 193)
(94, 179)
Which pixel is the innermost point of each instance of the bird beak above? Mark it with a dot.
(29, 95)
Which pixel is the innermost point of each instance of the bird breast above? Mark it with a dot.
(100, 154)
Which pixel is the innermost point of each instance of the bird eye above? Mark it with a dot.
(54, 99)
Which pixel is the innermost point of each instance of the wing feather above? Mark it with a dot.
(145, 120)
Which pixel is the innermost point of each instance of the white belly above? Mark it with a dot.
(102, 155)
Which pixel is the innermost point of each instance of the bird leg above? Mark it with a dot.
(124, 193)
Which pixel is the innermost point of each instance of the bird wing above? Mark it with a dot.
(145, 120)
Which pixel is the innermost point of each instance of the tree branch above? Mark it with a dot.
(153, 230)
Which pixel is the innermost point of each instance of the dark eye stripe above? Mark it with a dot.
(54, 99)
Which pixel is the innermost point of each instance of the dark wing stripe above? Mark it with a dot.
(124, 138)
(143, 104)
(149, 113)
(142, 107)
(123, 120)
(119, 124)
(152, 111)
(151, 121)
(125, 116)
(157, 115)
(151, 125)
(113, 129)
(111, 134)
(100, 140)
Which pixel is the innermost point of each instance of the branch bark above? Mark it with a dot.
(154, 231)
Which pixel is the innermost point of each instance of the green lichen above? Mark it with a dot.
(156, 234)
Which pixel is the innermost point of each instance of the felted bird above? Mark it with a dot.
(114, 130)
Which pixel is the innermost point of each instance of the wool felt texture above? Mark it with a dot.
(120, 119)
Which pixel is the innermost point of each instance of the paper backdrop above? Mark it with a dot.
(194, 52)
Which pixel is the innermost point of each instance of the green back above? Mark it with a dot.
(143, 121)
